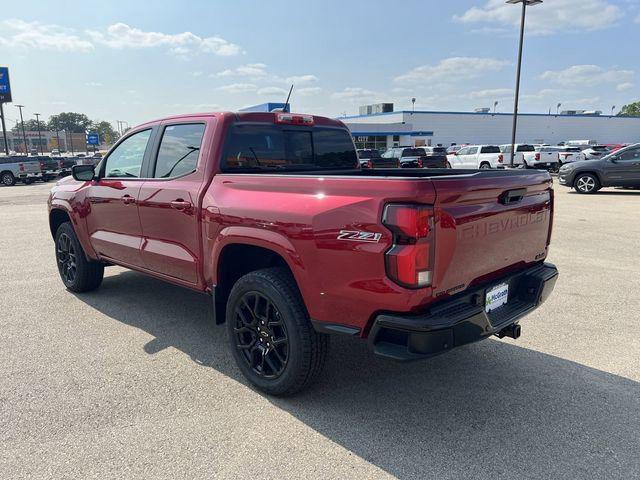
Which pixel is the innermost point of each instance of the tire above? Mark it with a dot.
(264, 309)
(448, 165)
(7, 179)
(77, 273)
(586, 183)
(28, 181)
(485, 166)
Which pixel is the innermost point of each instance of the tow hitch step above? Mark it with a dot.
(512, 331)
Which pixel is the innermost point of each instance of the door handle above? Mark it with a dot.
(128, 199)
(180, 205)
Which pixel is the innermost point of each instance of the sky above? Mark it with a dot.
(137, 61)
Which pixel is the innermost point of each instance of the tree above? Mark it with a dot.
(631, 110)
(105, 131)
(30, 126)
(70, 122)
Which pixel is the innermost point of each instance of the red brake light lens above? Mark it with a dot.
(500, 158)
(293, 119)
(369, 164)
(21, 167)
(419, 163)
(409, 262)
(537, 156)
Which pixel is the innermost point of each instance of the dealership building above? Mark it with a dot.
(378, 126)
(61, 140)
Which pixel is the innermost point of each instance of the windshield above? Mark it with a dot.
(274, 147)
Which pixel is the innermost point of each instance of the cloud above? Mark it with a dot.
(307, 91)
(197, 73)
(586, 76)
(301, 79)
(454, 68)
(93, 84)
(121, 35)
(547, 18)
(623, 87)
(249, 70)
(354, 94)
(238, 88)
(272, 91)
(19, 34)
(492, 93)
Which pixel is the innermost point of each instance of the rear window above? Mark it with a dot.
(269, 147)
(525, 148)
(439, 150)
(600, 148)
(413, 152)
(369, 154)
(571, 149)
(490, 149)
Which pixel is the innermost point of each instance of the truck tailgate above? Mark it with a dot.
(489, 225)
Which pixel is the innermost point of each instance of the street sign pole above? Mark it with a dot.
(4, 129)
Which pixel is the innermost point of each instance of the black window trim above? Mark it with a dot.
(153, 157)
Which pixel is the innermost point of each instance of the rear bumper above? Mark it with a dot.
(461, 319)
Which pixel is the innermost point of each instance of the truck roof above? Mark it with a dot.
(247, 117)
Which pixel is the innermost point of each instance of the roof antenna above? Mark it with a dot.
(288, 97)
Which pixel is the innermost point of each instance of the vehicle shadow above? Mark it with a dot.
(490, 409)
(617, 191)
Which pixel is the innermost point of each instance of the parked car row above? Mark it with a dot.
(28, 169)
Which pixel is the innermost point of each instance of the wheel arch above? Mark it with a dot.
(57, 216)
(236, 259)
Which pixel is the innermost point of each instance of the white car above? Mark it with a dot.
(477, 156)
(596, 151)
(570, 154)
(525, 154)
(546, 157)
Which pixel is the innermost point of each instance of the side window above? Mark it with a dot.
(126, 159)
(387, 154)
(463, 151)
(472, 150)
(179, 148)
(630, 155)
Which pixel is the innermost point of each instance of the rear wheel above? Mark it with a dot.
(485, 165)
(77, 272)
(449, 165)
(586, 183)
(8, 179)
(270, 334)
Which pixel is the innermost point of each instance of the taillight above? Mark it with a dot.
(369, 164)
(292, 119)
(419, 163)
(537, 157)
(21, 167)
(500, 158)
(409, 262)
(397, 163)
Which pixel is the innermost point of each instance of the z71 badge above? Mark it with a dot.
(359, 236)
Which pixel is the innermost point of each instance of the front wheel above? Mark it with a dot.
(77, 272)
(270, 334)
(8, 179)
(586, 183)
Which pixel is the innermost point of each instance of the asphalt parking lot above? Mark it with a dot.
(134, 381)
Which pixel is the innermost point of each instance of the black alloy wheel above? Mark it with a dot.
(66, 255)
(261, 335)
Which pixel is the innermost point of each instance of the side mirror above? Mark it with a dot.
(83, 173)
(613, 159)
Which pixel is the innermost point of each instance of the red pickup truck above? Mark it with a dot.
(271, 215)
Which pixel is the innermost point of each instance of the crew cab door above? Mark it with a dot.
(471, 158)
(113, 223)
(623, 169)
(457, 161)
(168, 202)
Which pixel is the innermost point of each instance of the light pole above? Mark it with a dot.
(525, 3)
(612, 109)
(413, 105)
(24, 135)
(495, 104)
(558, 108)
(37, 115)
